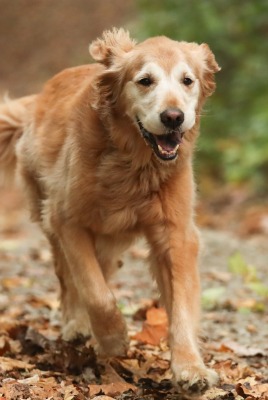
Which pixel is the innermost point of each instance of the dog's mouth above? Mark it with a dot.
(165, 146)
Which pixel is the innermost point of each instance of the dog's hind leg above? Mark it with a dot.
(107, 323)
(75, 317)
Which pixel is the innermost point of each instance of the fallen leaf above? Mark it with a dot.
(156, 316)
(262, 389)
(140, 314)
(251, 328)
(8, 364)
(16, 391)
(244, 304)
(4, 301)
(32, 379)
(111, 389)
(70, 392)
(243, 351)
(16, 281)
(58, 354)
(43, 389)
(155, 328)
(4, 345)
(221, 276)
(255, 221)
(111, 375)
(229, 371)
(252, 389)
(9, 245)
(215, 393)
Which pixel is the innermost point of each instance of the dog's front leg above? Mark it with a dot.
(174, 262)
(107, 323)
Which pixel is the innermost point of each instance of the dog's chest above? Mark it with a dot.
(121, 197)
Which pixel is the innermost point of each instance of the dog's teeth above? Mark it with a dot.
(162, 151)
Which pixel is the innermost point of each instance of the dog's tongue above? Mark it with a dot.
(169, 141)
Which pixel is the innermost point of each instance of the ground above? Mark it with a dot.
(36, 364)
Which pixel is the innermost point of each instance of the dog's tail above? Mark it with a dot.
(14, 114)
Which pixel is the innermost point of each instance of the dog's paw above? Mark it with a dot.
(74, 329)
(113, 345)
(193, 381)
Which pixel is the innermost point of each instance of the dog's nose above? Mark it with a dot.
(172, 117)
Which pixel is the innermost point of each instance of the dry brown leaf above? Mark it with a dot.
(111, 389)
(155, 328)
(252, 387)
(4, 345)
(31, 380)
(131, 364)
(156, 316)
(215, 346)
(257, 392)
(8, 364)
(111, 375)
(262, 389)
(230, 371)
(254, 221)
(16, 281)
(243, 351)
(50, 301)
(69, 392)
(221, 276)
(15, 390)
(244, 303)
(214, 393)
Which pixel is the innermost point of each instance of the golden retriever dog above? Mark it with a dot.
(105, 156)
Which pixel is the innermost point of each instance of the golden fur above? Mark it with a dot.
(94, 185)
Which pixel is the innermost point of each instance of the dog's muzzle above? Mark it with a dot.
(165, 146)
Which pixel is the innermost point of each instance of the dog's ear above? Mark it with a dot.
(112, 44)
(209, 58)
(209, 67)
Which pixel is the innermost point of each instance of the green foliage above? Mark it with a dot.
(239, 267)
(260, 288)
(212, 297)
(233, 146)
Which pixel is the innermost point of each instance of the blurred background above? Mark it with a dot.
(38, 38)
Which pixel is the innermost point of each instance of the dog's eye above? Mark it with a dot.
(187, 81)
(145, 81)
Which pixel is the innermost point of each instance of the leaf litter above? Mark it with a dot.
(35, 363)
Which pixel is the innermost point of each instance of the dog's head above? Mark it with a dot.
(159, 84)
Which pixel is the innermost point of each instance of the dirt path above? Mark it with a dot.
(36, 364)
